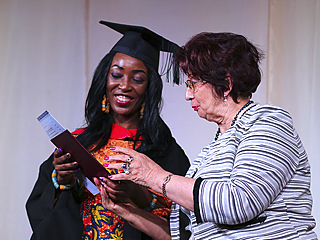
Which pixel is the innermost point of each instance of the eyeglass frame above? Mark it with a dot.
(190, 84)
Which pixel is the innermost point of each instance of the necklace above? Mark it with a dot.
(234, 119)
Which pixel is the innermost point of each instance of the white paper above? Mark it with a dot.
(52, 127)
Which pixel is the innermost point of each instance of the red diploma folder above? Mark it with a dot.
(87, 163)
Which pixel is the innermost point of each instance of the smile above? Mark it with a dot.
(121, 99)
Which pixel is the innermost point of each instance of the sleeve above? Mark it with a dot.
(266, 159)
(47, 217)
(175, 160)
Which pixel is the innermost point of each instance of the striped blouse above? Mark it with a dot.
(252, 183)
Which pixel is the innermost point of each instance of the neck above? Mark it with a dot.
(233, 109)
(127, 122)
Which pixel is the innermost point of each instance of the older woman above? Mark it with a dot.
(253, 180)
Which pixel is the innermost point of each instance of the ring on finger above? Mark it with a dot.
(125, 167)
(130, 159)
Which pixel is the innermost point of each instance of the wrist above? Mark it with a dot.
(158, 181)
(57, 185)
(64, 180)
(164, 184)
(152, 204)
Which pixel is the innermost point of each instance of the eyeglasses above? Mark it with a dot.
(190, 84)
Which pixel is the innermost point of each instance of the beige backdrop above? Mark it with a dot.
(49, 49)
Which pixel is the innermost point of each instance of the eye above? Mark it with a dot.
(138, 80)
(116, 75)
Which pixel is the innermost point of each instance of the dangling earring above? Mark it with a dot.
(225, 98)
(141, 111)
(105, 105)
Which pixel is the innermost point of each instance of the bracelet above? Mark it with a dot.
(62, 187)
(152, 204)
(165, 181)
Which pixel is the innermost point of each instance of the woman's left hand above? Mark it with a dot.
(143, 170)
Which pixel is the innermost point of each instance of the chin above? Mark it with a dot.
(202, 115)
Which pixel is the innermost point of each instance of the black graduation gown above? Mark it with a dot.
(62, 220)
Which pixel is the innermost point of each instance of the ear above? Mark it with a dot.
(228, 78)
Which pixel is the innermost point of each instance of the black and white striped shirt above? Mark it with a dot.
(253, 183)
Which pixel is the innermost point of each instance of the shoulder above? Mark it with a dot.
(78, 131)
(267, 123)
(266, 115)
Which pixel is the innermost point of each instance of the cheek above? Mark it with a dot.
(207, 105)
(141, 92)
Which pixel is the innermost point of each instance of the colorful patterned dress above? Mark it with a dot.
(100, 223)
(55, 216)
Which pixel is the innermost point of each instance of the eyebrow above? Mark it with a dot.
(135, 70)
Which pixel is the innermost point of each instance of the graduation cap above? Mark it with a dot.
(145, 45)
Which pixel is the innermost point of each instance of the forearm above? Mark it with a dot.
(179, 189)
(152, 225)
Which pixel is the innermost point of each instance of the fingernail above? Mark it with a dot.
(102, 183)
(112, 148)
(100, 178)
(106, 158)
(78, 169)
(110, 176)
(68, 155)
(75, 163)
(59, 150)
(105, 164)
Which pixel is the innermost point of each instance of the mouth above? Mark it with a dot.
(123, 99)
(195, 108)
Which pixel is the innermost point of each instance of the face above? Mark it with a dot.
(205, 101)
(127, 84)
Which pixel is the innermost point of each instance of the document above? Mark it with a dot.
(63, 139)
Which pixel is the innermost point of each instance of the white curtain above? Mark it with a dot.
(49, 49)
(42, 66)
(294, 73)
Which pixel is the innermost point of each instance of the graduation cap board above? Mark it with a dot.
(142, 43)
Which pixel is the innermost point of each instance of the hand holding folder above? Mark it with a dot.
(63, 139)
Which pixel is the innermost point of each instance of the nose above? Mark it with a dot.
(124, 84)
(189, 94)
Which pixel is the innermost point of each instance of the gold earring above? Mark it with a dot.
(141, 111)
(105, 105)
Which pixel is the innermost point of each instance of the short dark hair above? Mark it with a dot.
(157, 136)
(211, 56)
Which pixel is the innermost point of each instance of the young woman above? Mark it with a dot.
(122, 109)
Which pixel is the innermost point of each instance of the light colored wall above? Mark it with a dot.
(48, 52)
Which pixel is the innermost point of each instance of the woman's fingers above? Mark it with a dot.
(64, 161)
(119, 158)
(126, 151)
(65, 165)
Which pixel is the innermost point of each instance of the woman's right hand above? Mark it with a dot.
(122, 207)
(65, 165)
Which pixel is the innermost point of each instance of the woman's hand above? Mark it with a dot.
(122, 206)
(119, 191)
(65, 165)
(154, 226)
(143, 170)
